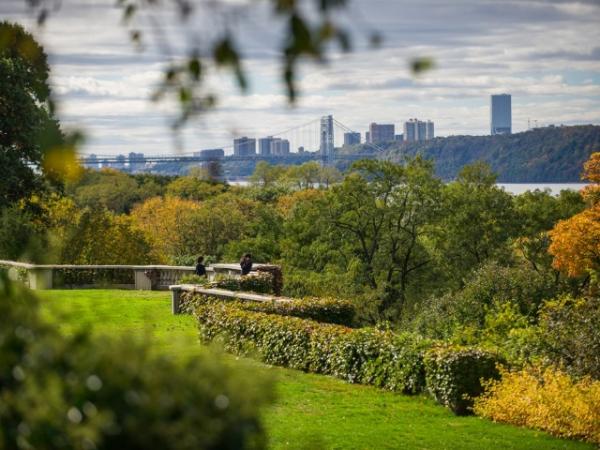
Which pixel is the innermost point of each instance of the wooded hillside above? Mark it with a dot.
(552, 154)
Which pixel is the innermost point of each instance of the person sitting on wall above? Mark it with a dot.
(200, 269)
(246, 264)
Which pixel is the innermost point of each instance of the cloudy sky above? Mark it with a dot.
(546, 53)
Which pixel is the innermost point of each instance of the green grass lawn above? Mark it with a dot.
(312, 411)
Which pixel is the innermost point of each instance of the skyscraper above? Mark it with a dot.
(326, 147)
(280, 147)
(351, 138)
(411, 132)
(244, 146)
(264, 146)
(429, 134)
(501, 114)
(381, 133)
(417, 130)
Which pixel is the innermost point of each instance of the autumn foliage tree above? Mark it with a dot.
(576, 241)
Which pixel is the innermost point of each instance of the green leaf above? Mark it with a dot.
(420, 65)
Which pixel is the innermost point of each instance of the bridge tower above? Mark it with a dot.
(327, 141)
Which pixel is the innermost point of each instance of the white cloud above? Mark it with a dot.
(545, 53)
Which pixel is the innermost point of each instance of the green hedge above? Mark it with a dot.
(454, 375)
(82, 277)
(400, 362)
(363, 355)
(326, 310)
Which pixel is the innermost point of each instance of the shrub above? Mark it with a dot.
(192, 279)
(327, 310)
(569, 335)
(276, 276)
(261, 283)
(81, 277)
(360, 356)
(521, 285)
(83, 392)
(546, 399)
(454, 375)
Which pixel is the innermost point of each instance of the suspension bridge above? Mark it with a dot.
(319, 139)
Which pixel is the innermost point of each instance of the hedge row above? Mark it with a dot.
(326, 310)
(81, 277)
(454, 374)
(399, 362)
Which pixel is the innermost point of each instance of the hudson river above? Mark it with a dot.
(555, 188)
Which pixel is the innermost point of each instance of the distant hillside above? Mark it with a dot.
(548, 154)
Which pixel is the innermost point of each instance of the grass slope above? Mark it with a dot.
(312, 411)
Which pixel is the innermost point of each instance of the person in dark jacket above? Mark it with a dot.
(246, 264)
(200, 269)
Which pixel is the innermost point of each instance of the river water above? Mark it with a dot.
(513, 188)
(555, 188)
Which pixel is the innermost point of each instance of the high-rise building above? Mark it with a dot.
(417, 130)
(244, 146)
(410, 130)
(501, 114)
(327, 138)
(429, 132)
(264, 146)
(381, 133)
(367, 137)
(280, 147)
(351, 138)
(421, 130)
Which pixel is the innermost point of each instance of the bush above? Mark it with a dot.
(521, 285)
(82, 277)
(489, 290)
(360, 356)
(546, 399)
(454, 375)
(569, 335)
(81, 392)
(261, 283)
(192, 279)
(325, 310)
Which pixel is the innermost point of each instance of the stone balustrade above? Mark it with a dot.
(49, 276)
(178, 289)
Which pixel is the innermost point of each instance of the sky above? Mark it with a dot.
(545, 53)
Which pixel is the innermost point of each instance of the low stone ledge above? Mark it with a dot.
(224, 294)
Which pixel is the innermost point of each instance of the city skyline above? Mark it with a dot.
(542, 52)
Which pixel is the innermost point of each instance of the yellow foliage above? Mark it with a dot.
(62, 160)
(576, 243)
(547, 399)
(165, 222)
(286, 203)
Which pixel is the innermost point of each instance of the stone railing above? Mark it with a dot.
(160, 277)
(178, 289)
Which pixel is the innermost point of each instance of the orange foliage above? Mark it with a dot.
(286, 203)
(591, 168)
(576, 243)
